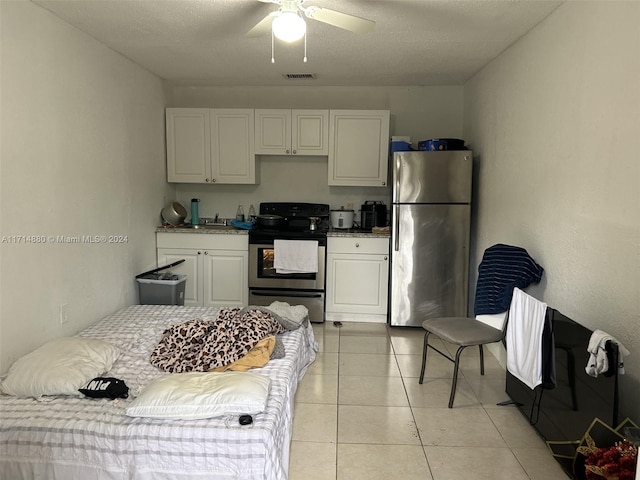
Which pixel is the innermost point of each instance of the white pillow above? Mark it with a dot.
(196, 395)
(60, 367)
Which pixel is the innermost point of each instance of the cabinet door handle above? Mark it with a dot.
(294, 152)
(357, 245)
(206, 253)
(396, 233)
(385, 258)
(199, 253)
(287, 151)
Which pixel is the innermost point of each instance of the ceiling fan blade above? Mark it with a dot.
(340, 20)
(263, 26)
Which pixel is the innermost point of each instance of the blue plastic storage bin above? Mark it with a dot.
(440, 144)
(400, 147)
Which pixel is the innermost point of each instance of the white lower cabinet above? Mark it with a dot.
(357, 279)
(216, 266)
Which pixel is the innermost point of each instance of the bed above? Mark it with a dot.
(66, 437)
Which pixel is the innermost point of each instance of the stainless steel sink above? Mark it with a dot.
(215, 226)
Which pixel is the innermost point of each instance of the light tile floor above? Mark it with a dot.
(361, 414)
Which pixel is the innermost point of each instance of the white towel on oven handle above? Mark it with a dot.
(295, 256)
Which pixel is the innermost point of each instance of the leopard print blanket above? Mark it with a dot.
(199, 346)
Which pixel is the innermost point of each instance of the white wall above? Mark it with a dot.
(419, 112)
(554, 123)
(82, 154)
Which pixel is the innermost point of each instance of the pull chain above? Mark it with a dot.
(305, 47)
(273, 60)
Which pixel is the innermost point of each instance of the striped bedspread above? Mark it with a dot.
(77, 437)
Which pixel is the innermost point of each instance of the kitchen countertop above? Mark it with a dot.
(355, 232)
(204, 229)
(229, 230)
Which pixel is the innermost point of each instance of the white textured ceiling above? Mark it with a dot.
(202, 42)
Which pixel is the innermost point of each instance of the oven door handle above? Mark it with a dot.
(280, 293)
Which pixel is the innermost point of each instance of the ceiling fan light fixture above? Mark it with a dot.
(289, 27)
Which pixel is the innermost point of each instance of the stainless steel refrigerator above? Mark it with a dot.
(430, 218)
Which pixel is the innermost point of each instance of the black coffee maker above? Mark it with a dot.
(373, 214)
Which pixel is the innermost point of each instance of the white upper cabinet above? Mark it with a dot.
(273, 132)
(188, 145)
(210, 145)
(292, 132)
(233, 159)
(220, 145)
(310, 132)
(359, 147)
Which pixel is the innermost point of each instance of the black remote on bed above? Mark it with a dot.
(245, 419)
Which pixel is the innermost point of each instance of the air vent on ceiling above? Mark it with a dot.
(299, 76)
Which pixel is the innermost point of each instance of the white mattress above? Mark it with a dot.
(78, 437)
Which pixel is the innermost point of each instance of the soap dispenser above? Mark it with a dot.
(195, 216)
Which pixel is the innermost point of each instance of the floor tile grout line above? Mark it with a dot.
(424, 452)
(506, 442)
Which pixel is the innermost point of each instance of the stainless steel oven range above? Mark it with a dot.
(298, 221)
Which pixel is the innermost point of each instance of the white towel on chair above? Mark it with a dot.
(524, 338)
(295, 256)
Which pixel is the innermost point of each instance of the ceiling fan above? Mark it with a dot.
(287, 23)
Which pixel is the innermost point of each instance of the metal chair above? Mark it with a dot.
(463, 332)
(503, 268)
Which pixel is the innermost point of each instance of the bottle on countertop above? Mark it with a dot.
(195, 216)
(252, 213)
(240, 213)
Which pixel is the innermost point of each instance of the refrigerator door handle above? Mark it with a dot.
(396, 226)
(398, 171)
